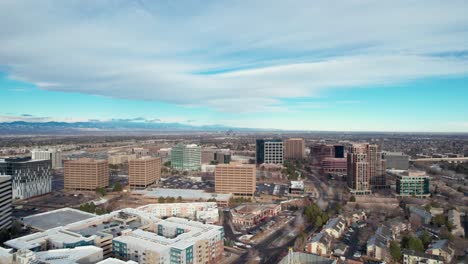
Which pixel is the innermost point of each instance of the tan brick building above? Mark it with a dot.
(86, 174)
(238, 179)
(144, 171)
(294, 148)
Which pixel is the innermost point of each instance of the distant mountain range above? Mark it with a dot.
(120, 125)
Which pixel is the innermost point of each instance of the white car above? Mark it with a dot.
(357, 254)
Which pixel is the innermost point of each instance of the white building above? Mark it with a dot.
(78, 255)
(55, 156)
(29, 177)
(205, 211)
(5, 202)
(174, 240)
(132, 234)
(273, 152)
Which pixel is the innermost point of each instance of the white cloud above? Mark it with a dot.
(151, 50)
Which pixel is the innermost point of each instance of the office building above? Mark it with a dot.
(86, 174)
(365, 168)
(334, 166)
(237, 179)
(319, 152)
(144, 171)
(55, 156)
(186, 157)
(5, 202)
(339, 151)
(28, 177)
(216, 156)
(412, 183)
(269, 151)
(140, 152)
(396, 160)
(294, 149)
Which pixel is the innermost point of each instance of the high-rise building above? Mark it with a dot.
(294, 148)
(29, 177)
(365, 168)
(5, 202)
(86, 174)
(144, 171)
(269, 151)
(339, 151)
(186, 157)
(218, 156)
(55, 156)
(412, 183)
(237, 179)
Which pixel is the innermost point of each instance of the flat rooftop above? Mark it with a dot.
(188, 194)
(56, 218)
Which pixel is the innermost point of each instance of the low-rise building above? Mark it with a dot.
(206, 212)
(378, 244)
(414, 257)
(419, 214)
(305, 258)
(320, 244)
(455, 218)
(296, 188)
(396, 160)
(441, 248)
(131, 234)
(412, 183)
(335, 227)
(249, 215)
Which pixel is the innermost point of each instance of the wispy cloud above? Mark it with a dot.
(229, 55)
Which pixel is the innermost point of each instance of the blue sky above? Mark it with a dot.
(302, 65)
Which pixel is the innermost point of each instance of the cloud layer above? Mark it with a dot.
(229, 55)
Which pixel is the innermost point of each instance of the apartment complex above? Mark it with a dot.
(269, 151)
(365, 168)
(206, 212)
(237, 179)
(144, 171)
(132, 234)
(294, 148)
(186, 157)
(413, 183)
(86, 174)
(174, 240)
(5, 202)
(29, 177)
(55, 156)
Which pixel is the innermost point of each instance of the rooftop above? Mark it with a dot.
(67, 255)
(56, 218)
(187, 194)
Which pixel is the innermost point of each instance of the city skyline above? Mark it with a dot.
(353, 66)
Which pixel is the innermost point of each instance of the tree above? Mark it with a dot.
(428, 207)
(352, 199)
(446, 234)
(439, 220)
(318, 221)
(415, 244)
(161, 200)
(118, 187)
(426, 238)
(101, 191)
(179, 199)
(167, 163)
(395, 251)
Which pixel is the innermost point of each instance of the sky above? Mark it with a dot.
(354, 65)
